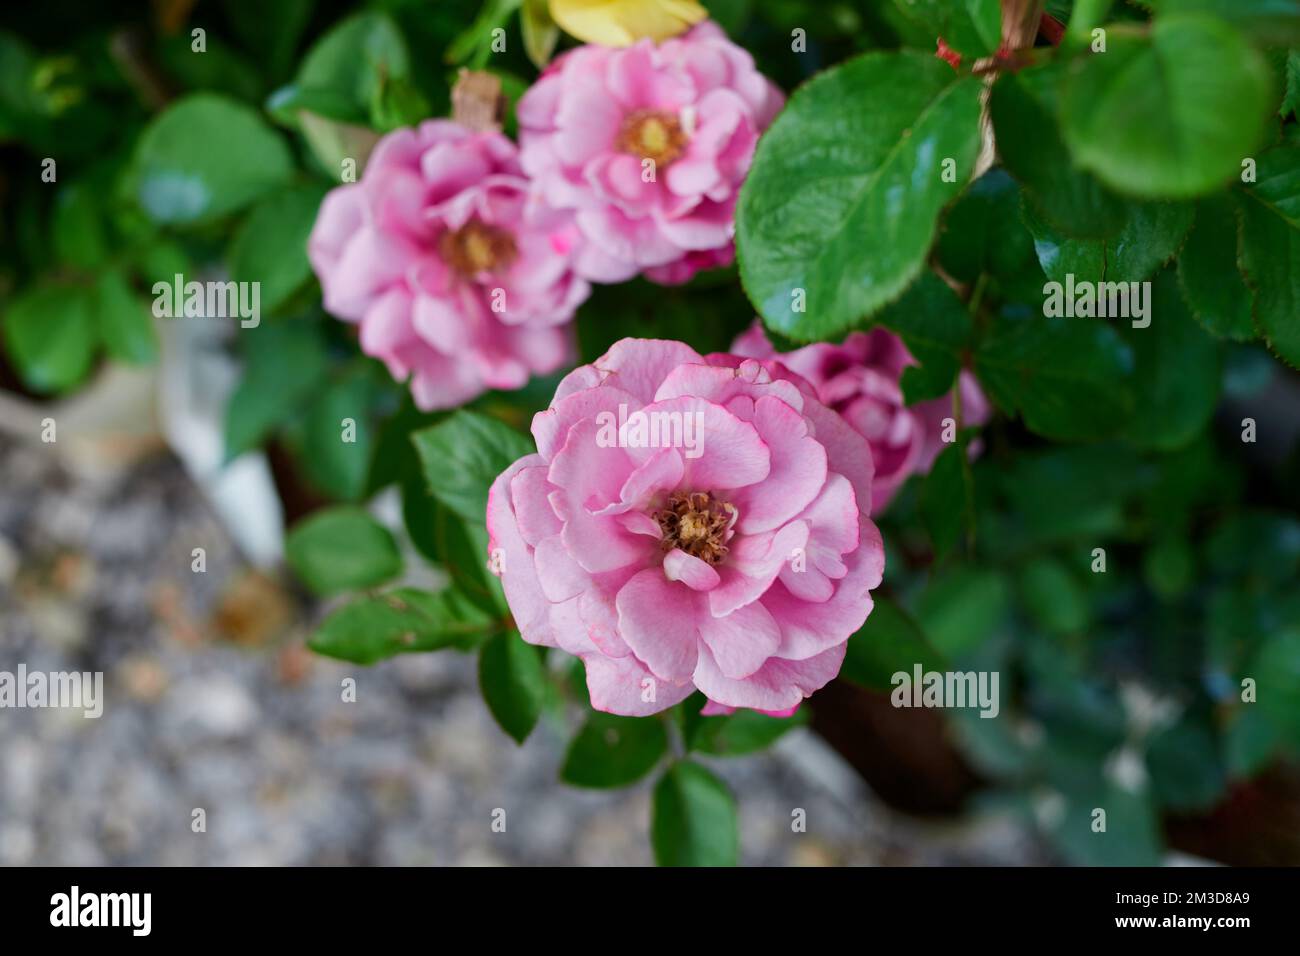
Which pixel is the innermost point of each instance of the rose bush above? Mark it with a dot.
(1116, 509)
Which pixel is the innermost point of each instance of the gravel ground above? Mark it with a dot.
(212, 703)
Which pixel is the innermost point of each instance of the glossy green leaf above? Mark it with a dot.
(1168, 113)
(513, 683)
(1274, 22)
(1208, 275)
(840, 207)
(1270, 249)
(1177, 382)
(1069, 378)
(693, 819)
(270, 247)
(1149, 235)
(936, 328)
(50, 336)
(612, 751)
(203, 157)
(1024, 108)
(463, 455)
(889, 642)
(744, 732)
(948, 498)
(342, 549)
(402, 621)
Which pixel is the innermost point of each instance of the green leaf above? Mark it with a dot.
(1167, 114)
(1131, 837)
(1151, 236)
(971, 27)
(962, 609)
(513, 683)
(1250, 741)
(78, 227)
(342, 549)
(403, 621)
(285, 363)
(1276, 670)
(203, 157)
(1061, 256)
(613, 751)
(271, 244)
(50, 335)
(693, 819)
(1024, 108)
(1178, 370)
(1270, 249)
(1070, 379)
(338, 467)
(1187, 773)
(463, 455)
(1208, 273)
(744, 732)
(889, 642)
(1291, 98)
(270, 31)
(1053, 596)
(125, 323)
(936, 328)
(983, 235)
(343, 73)
(842, 204)
(1148, 237)
(1275, 22)
(948, 498)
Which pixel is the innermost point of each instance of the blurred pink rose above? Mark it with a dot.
(860, 380)
(649, 144)
(725, 548)
(458, 278)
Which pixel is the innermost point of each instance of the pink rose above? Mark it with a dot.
(458, 278)
(860, 380)
(649, 144)
(718, 541)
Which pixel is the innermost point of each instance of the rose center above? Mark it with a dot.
(655, 135)
(477, 247)
(696, 522)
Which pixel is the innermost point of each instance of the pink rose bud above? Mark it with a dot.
(860, 380)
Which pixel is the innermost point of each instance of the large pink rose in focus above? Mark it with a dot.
(690, 109)
(860, 379)
(458, 277)
(738, 561)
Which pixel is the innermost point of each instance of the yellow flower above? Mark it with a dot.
(623, 22)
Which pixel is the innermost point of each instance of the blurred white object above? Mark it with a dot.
(196, 378)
